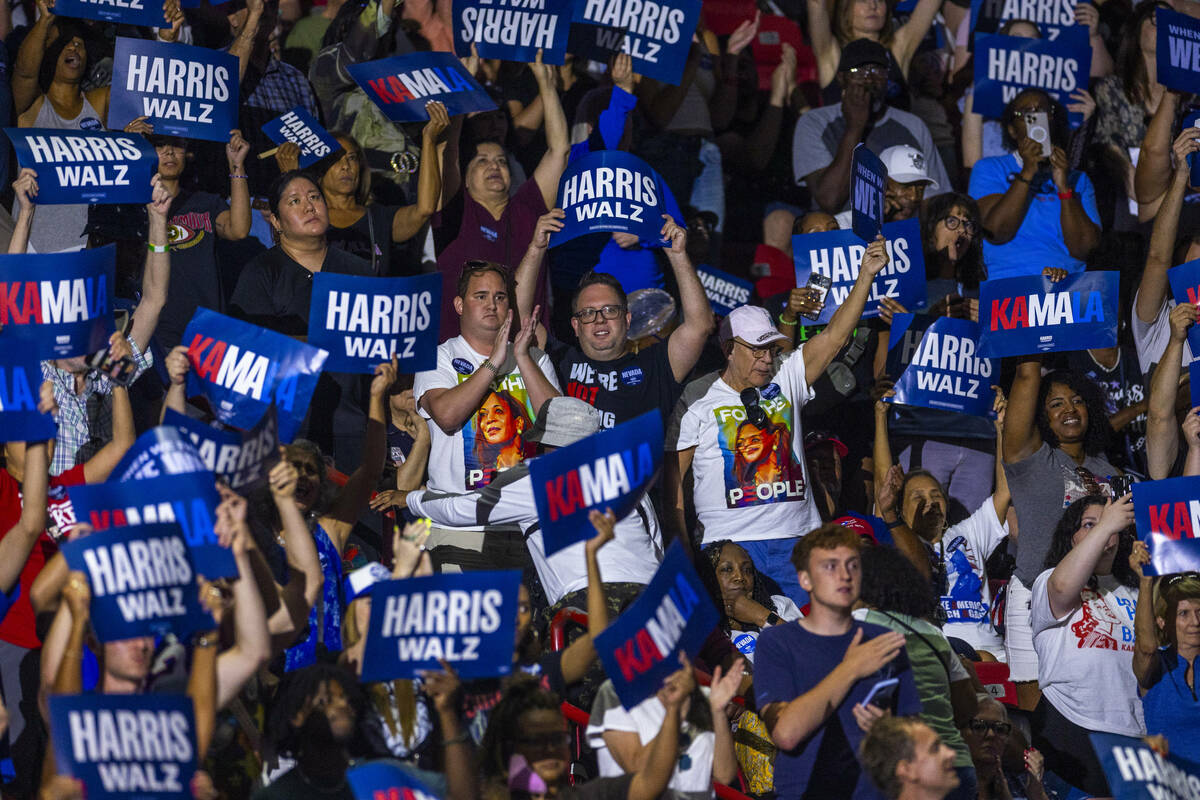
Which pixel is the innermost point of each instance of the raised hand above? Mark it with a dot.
(46, 402)
(442, 685)
(1116, 516)
(287, 156)
(160, 199)
(1183, 316)
(385, 376)
(173, 14)
(783, 78)
(673, 233)
(25, 187)
(724, 686)
(678, 685)
(550, 222)
(605, 525)
(282, 480)
(1139, 557)
(410, 558)
(500, 343)
(439, 120)
(888, 307)
(1186, 143)
(622, 72)
(525, 336)
(875, 258)
(804, 302)
(78, 595)
(1055, 274)
(1191, 428)
(178, 364)
(236, 151)
(140, 125)
(743, 35)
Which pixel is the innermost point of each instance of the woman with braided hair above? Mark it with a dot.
(746, 602)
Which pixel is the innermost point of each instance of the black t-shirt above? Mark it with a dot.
(357, 239)
(292, 784)
(275, 292)
(195, 280)
(620, 389)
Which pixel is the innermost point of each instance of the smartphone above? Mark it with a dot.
(882, 693)
(819, 285)
(1037, 126)
(120, 371)
(1121, 484)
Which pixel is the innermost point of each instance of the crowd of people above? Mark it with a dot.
(912, 602)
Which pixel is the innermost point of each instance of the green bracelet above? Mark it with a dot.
(783, 321)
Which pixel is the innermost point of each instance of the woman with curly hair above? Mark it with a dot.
(1055, 437)
(746, 602)
(1083, 617)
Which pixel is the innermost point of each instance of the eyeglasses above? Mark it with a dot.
(588, 315)
(868, 71)
(545, 741)
(953, 222)
(754, 413)
(306, 467)
(759, 352)
(982, 726)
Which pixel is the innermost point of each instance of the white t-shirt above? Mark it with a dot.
(758, 492)
(1150, 339)
(693, 768)
(968, 600)
(456, 463)
(747, 641)
(1085, 659)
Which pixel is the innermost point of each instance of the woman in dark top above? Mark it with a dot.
(275, 289)
(366, 229)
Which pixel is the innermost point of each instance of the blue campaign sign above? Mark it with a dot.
(386, 780)
(674, 614)
(147, 13)
(363, 321)
(609, 469)
(185, 91)
(1029, 314)
(1051, 16)
(1194, 382)
(402, 85)
(658, 33)
(945, 371)
(1136, 772)
(126, 745)
(594, 42)
(143, 582)
(302, 129)
(86, 166)
(838, 254)
(1004, 65)
(1192, 120)
(725, 292)
(469, 619)
(242, 459)
(868, 180)
(20, 385)
(1167, 513)
(513, 30)
(241, 369)
(1185, 288)
(188, 501)
(57, 305)
(1178, 53)
(157, 452)
(610, 190)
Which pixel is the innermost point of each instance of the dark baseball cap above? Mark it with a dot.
(860, 52)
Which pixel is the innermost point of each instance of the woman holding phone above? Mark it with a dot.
(1037, 212)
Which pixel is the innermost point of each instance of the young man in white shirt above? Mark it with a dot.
(481, 401)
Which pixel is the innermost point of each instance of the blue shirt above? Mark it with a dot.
(790, 661)
(1039, 241)
(1171, 706)
(325, 617)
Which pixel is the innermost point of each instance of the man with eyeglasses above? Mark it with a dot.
(481, 401)
(824, 139)
(757, 496)
(604, 369)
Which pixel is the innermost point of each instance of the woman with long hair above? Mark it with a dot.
(763, 455)
(500, 426)
(745, 601)
(1082, 616)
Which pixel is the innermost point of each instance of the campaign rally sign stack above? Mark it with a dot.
(1031, 314)
(513, 30)
(838, 254)
(240, 458)
(86, 166)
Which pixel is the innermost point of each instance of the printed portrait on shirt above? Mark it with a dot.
(494, 436)
(963, 601)
(759, 464)
(1100, 626)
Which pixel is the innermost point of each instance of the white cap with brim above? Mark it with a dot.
(907, 164)
(751, 324)
(563, 421)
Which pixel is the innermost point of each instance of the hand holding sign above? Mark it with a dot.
(25, 187)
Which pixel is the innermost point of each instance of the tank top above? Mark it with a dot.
(56, 228)
(325, 617)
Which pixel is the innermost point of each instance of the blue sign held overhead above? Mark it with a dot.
(242, 459)
(146, 13)
(143, 582)
(57, 305)
(595, 42)
(187, 502)
(513, 31)
(610, 190)
(1165, 512)
(609, 469)
(868, 181)
(1004, 65)
(157, 452)
(86, 166)
(469, 619)
(1029, 314)
(184, 90)
(658, 33)
(302, 129)
(725, 292)
(1178, 50)
(20, 387)
(363, 321)
(674, 614)
(386, 780)
(241, 369)
(125, 745)
(946, 371)
(1136, 772)
(838, 254)
(1185, 288)
(402, 85)
(1050, 16)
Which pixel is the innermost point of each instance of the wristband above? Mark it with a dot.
(158, 248)
(1022, 179)
(235, 175)
(202, 640)
(791, 324)
(487, 362)
(1067, 195)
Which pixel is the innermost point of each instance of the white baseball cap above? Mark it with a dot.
(907, 164)
(751, 324)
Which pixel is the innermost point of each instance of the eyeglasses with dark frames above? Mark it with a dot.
(588, 315)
